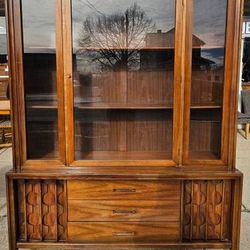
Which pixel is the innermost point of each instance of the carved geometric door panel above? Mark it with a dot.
(206, 210)
(41, 210)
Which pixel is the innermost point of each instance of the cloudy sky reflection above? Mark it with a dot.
(39, 20)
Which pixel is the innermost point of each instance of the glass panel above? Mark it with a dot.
(123, 62)
(39, 60)
(208, 54)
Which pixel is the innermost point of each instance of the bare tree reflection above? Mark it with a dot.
(113, 41)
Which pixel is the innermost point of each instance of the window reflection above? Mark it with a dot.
(123, 59)
(123, 41)
(208, 55)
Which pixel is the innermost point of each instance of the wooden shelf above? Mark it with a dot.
(118, 155)
(197, 155)
(42, 105)
(53, 105)
(206, 106)
(121, 106)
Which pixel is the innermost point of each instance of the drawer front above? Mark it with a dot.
(130, 210)
(145, 232)
(118, 190)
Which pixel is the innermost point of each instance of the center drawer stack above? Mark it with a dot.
(124, 211)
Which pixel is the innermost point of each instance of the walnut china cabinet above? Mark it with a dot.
(124, 115)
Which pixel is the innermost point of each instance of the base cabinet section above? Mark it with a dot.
(181, 212)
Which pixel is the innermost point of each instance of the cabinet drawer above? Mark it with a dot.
(134, 190)
(102, 232)
(130, 210)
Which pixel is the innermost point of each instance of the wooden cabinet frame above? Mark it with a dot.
(38, 191)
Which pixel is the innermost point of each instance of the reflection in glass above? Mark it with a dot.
(123, 59)
(39, 61)
(3, 40)
(208, 54)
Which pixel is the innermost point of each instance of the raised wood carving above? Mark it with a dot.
(42, 210)
(61, 211)
(206, 210)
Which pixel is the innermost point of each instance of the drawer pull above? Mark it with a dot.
(124, 212)
(126, 234)
(124, 190)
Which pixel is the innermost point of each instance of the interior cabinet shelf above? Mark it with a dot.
(201, 155)
(53, 105)
(118, 155)
(120, 106)
(206, 106)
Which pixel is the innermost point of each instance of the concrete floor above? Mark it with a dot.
(243, 163)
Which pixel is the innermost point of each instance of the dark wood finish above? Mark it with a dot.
(138, 162)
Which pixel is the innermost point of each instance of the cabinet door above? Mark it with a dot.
(207, 87)
(123, 57)
(41, 78)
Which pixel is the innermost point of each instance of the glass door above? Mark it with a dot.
(206, 89)
(40, 78)
(123, 79)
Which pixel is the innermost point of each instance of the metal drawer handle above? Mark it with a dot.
(124, 211)
(124, 190)
(124, 234)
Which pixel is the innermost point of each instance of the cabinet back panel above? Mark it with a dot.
(133, 131)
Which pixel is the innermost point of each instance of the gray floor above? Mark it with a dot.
(243, 163)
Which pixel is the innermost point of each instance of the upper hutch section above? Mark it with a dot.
(124, 82)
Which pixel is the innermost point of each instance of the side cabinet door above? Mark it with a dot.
(39, 81)
(208, 81)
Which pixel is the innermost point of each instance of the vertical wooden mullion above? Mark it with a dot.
(68, 81)
(18, 83)
(179, 80)
(238, 22)
(229, 47)
(60, 81)
(12, 80)
(187, 77)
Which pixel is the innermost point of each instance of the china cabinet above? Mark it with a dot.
(124, 121)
